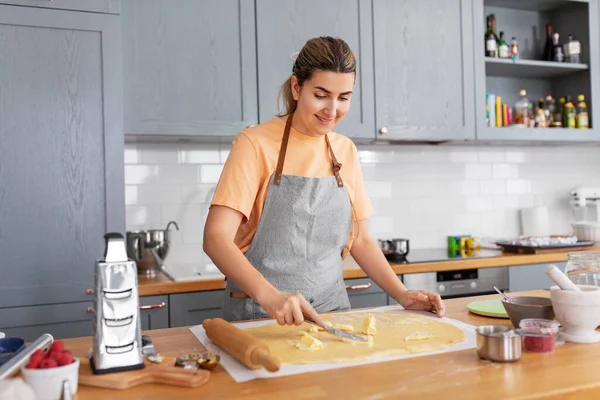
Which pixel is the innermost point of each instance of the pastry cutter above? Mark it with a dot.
(337, 332)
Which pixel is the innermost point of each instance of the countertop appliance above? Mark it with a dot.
(117, 326)
(395, 250)
(585, 205)
(461, 283)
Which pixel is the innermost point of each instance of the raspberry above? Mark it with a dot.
(65, 359)
(36, 359)
(58, 346)
(51, 363)
(55, 355)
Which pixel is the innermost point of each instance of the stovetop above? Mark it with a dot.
(433, 255)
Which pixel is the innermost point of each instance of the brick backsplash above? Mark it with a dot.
(419, 192)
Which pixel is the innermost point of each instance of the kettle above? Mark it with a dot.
(149, 249)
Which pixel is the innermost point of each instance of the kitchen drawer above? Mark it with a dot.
(154, 312)
(98, 6)
(187, 309)
(364, 292)
(60, 320)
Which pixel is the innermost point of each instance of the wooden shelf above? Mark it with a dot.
(530, 68)
(532, 5)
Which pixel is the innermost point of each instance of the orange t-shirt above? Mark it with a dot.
(253, 159)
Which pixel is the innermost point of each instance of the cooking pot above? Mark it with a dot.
(149, 248)
(394, 249)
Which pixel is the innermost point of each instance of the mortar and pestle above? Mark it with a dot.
(576, 307)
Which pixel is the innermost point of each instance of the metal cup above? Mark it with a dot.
(498, 343)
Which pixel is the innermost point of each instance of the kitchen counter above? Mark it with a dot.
(418, 260)
(569, 372)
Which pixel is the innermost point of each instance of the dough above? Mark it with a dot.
(398, 332)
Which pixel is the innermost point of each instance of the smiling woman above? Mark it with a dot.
(291, 203)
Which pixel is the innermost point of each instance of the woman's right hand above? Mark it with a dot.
(290, 309)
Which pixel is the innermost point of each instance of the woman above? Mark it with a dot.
(291, 203)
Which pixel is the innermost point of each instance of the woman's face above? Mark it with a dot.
(322, 101)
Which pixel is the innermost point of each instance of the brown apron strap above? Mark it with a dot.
(283, 149)
(335, 164)
(284, 143)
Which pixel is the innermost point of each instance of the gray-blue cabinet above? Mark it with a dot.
(61, 153)
(98, 6)
(189, 67)
(424, 86)
(186, 309)
(530, 277)
(60, 320)
(154, 312)
(363, 292)
(283, 27)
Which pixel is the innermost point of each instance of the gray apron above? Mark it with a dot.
(299, 241)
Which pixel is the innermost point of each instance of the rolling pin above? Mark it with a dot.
(250, 351)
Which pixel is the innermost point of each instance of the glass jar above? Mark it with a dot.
(583, 268)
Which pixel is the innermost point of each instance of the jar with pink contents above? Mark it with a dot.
(540, 335)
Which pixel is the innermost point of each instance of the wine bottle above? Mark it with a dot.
(491, 45)
(557, 50)
(547, 56)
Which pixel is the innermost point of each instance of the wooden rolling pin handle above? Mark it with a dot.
(262, 357)
(240, 344)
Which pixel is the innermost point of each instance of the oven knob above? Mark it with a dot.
(473, 285)
(441, 288)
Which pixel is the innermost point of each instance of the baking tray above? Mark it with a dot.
(511, 247)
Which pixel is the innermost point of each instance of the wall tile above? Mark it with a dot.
(159, 153)
(478, 171)
(518, 186)
(210, 173)
(505, 171)
(492, 156)
(493, 187)
(172, 174)
(131, 194)
(131, 153)
(142, 217)
(141, 174)
(201, 154)
(378, 189)
(463, 157)
(159, 194)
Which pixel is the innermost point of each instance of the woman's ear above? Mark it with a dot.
(295, 87)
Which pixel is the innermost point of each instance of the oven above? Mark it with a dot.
(459, 283)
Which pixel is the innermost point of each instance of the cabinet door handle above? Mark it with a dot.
(90, 291)
(90, 310)
(152, 306)
(358, 287)
(383, 130)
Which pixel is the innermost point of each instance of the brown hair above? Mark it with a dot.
(324, 53)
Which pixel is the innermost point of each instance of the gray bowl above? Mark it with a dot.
(528, 307)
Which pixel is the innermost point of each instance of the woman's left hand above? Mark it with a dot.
(422, 300)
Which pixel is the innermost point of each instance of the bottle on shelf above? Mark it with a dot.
(569, 114)
(572, 50)
(549, 110)
(582, 121)
(557, 119)
(540, 116)
(557, 51)
(503, 50)
(491, 41)
(547, 56)
(522, 115)
(514, 49)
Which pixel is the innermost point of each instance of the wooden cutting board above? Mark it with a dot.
(166, 373)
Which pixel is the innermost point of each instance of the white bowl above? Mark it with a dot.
(587, 230)
(578, 312)
(47, 383)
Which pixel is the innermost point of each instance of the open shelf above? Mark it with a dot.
(530, 68)
(531, 5)
(540, 134)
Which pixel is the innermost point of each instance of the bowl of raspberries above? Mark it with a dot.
(46, 371)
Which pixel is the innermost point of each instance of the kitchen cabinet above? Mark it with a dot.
(283, 27)
(154, 312)
(423, 55)
(189, 67)
(186, 309)
(60, 320)
(98, 6)
(61, 156)
(526, 21)
(530, 277)
(364, 292)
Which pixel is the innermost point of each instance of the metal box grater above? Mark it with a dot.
(117, 329)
